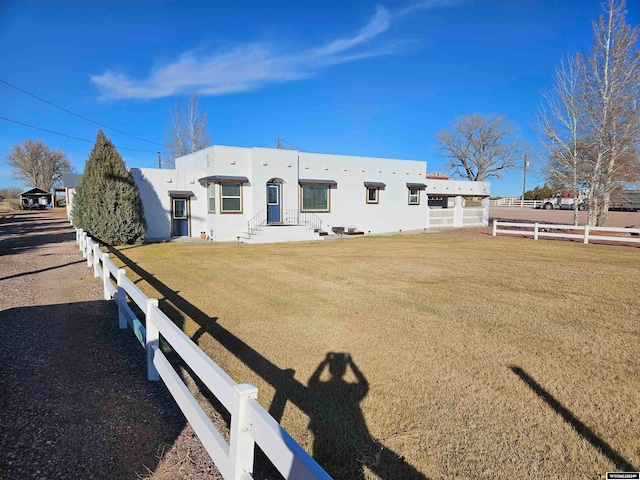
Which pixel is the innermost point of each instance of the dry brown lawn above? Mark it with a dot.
(9, 205)
(442, 355)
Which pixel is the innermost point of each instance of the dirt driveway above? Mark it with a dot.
(75, 401)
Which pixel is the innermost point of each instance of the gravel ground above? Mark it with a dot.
(75, 401)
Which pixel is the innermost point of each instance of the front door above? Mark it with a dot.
(180, 217)
(273, 203)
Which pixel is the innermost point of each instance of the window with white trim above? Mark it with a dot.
(315, 198)
(211, 197)
(180, 208)
(230, 197)
(414, 196)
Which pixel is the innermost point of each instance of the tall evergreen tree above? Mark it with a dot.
(107, 203)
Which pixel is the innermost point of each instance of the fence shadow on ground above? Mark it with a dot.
(583, 430)
(75, 399)
(342, 445)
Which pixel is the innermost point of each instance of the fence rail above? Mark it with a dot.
(251, 424)
(548, 230)
(514, 202)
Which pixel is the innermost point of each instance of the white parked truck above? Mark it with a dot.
(564, 201)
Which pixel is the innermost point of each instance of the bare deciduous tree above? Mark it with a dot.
(592, 129)
(479, 147)
(187, 131)
(37, 165)
(558, 128)
(612, 90)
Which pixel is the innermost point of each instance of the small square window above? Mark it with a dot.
(414, 196)
(373, 194)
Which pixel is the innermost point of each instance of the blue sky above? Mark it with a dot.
(345, 77)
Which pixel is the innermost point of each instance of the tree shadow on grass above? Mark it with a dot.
(583, 430)
(333, 406)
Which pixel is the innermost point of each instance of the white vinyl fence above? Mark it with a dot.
(250, 423)
(514, 202)
(472, 217)
(441, 217)
(458, 216)
(585, 233)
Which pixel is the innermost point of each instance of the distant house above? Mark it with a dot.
(69, 183)
(35, 199)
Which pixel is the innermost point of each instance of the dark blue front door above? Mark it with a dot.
(180, 217)
(273, 203)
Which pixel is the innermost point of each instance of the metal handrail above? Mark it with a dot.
(256, 222)
(312, 220)
(288, 217)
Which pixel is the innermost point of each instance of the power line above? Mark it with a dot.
(77, 115)
(69, 136)
(272, 142)
(292, 145)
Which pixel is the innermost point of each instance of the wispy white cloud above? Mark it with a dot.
(250, 66)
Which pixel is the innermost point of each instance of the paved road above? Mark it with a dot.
(74, 399)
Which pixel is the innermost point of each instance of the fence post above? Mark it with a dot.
(152, 339)
(106, 276)
(495, 226)
(88, 248)
(121, 296)
(485, 211)
(241, 443)
(535, 231)
(96, 259)
(428, 212)
(83, 243)
(457, 211)
(586, 234)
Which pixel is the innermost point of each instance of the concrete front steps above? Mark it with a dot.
(282, 233)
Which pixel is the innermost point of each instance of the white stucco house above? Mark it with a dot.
(261, 195)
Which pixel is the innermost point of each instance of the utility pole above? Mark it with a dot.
(524, 180)
(159, 161)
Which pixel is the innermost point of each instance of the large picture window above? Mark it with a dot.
(315, 198)
(230, 198)
(211, 197)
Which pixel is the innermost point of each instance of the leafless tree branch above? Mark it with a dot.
(188, 131)
(479, 147)
(37, 165)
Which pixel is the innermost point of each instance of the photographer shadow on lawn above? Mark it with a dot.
(342, 442)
